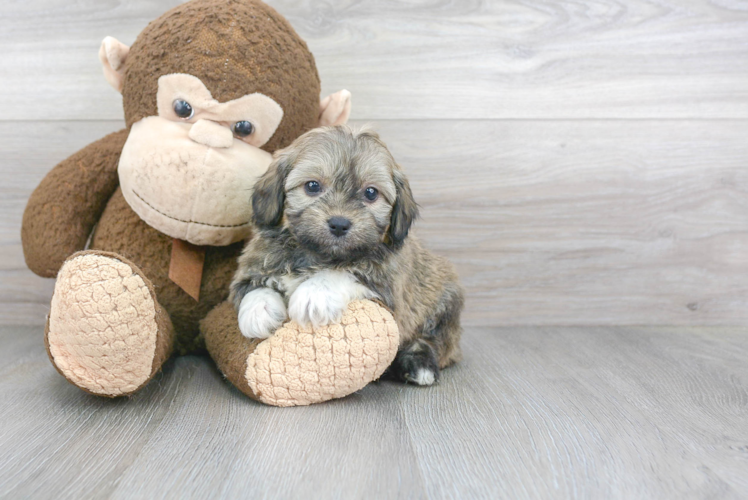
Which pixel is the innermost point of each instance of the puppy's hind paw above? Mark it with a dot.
(261, 312)
(423, 376)
(415, 363)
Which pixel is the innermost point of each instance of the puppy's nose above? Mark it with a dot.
(339, 225)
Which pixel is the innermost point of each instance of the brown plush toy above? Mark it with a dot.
(210, 90)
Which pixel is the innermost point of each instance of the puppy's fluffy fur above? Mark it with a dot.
(322, 241)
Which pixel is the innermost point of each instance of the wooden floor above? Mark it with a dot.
(585, 166)
(533, 412)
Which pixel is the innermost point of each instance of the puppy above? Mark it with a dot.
(332, 214)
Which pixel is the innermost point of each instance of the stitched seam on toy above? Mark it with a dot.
(188, 221)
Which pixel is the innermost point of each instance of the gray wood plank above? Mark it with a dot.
(532, 412)
(189, 434)
(609, 222)
(588, 413)
(424, 59)
(356, 448)
(557, 222)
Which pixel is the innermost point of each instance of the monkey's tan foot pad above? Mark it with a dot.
(106, 333)
(302, 366)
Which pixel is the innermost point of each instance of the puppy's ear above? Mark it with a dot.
(404, 210)
(269, 195)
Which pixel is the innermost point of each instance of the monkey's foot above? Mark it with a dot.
(299, 365)
(106, 332)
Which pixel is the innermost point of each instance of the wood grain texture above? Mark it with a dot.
(427, 59)
(548, 222)
(552, 222)
(533, 412)
(588, 413)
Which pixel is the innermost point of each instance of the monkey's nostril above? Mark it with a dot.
(339, 226)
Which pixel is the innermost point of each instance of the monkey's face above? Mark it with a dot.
(207, 89)
(189, 171)
(341, 194)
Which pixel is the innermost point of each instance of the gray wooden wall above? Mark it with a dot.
(582, 162)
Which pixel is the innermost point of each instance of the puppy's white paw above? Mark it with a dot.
(261, 312)
(314, 302)
(417, 364)
(423, 376)
(323, 298)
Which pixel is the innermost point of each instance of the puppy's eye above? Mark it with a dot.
(183, 109)
(371, 193)
(243, 128)
(312, 188)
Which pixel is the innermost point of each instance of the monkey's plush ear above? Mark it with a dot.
(404, 211)
(269, 195)
(335, 109)
(112, 55)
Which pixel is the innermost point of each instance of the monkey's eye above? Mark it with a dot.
(371, 193)
(243, 128)
(183, 109)
(312, 188)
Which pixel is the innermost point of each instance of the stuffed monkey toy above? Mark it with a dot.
(143, 227)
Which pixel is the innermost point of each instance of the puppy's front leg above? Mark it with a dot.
(261, 312)
(323, 298)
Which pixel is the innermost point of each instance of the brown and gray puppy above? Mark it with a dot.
(333, 213)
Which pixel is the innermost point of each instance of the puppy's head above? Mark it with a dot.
(338, 192)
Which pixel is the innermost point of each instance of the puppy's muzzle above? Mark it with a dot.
(339, 226)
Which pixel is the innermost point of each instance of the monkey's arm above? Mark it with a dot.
(66, 205)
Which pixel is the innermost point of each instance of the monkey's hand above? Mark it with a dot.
(261, 312)
(323, 298)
